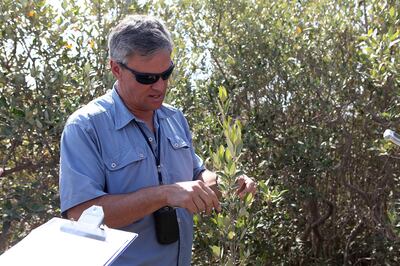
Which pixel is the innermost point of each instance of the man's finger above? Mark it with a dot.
(253, 187)
(200, 205)
(214, 202)
(249, 186)
(241, 181)
(192, 208)
(206, 198)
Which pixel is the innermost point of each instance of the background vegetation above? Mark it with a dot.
(313, 83)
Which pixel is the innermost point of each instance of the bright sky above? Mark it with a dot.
(57, 3)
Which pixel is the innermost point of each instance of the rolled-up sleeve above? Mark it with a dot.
(82, 175)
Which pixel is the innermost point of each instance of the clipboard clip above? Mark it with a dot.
(88, 225)
(392, 136)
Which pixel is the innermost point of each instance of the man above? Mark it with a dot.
(131, 154)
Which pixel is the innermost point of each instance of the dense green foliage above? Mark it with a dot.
(313, 83)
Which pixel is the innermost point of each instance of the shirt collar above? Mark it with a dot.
(122, 116)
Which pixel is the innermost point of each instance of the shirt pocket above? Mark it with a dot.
(178, 142)
(124, 159)
(126, 171)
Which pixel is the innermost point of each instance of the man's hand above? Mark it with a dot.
(211, 180)
(195, 196)
(245, 185)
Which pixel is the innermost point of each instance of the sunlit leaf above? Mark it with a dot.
(216, 250)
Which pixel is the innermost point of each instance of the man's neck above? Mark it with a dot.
(145, 116)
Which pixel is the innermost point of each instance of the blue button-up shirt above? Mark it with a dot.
(104, 152)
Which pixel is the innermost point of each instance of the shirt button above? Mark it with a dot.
(113, 165)
(141, 155)
(150, 139)
(176, 145)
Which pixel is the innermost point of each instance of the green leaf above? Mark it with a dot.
(395, 35)
(216, 250)
(3, 102)
(391, 11)
(38, 123)
(222, 94)
(243, 212)
(227, 221)
(230, 146)
(248, 199)
(18, 112)
(228, 156)
(216, 160)
(221, 152)
(196, 219)
(220, 220)
(394, 43)
(226, 131)
(230, 169)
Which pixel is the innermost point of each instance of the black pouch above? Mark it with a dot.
(167, 228)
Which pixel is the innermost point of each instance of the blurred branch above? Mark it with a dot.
(363, 194)
(220, 68)
(14, 144)
(317, 223)
(30, 166)
(356, 230)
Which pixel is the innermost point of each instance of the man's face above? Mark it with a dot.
(140, 97)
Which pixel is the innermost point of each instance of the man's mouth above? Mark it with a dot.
(156, 97)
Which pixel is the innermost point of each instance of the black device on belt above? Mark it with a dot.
(166, 222)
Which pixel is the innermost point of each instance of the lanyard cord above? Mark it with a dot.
(156, 156)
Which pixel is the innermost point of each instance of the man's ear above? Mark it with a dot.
(115, 69)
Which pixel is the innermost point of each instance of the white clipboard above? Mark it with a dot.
(65, 242)
(392, 136)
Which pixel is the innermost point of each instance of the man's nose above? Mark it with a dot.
(160, 84)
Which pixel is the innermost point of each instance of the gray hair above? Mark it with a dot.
(138, 34)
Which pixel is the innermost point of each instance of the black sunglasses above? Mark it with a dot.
(149, 78)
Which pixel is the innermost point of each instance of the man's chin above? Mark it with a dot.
(156, 103)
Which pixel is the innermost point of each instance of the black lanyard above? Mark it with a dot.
(156, 156)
